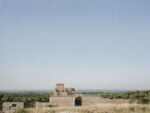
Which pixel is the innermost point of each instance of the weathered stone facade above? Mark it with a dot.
(12, 106)
(42, 104)
(60, 90)
(74, 100)
(65, 97)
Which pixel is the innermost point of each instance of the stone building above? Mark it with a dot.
(69, 97)
(7, 106)
(60, 90)
(65, 97)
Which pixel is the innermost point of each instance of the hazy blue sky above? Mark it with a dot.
(86, 44)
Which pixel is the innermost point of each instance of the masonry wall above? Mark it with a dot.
(62, 100)
(70, 100)
(10, 106)
(42, 104)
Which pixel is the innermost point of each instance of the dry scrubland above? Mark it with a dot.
(119, 102)
(101, 108)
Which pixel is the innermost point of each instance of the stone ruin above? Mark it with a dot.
(12, 106)
(60, 90)
(69, 97)
(65, 97)
(62, 97)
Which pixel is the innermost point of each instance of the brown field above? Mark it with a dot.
(100, 108)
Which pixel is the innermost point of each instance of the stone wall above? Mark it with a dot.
(60, 87)
(86, 100)
(42, 104)
(12, 106)
(62, 100)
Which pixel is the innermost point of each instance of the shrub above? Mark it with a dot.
(143, 101)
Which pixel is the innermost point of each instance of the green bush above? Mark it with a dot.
(141, 97)
(143, 101)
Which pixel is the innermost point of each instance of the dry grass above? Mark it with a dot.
(101, 108)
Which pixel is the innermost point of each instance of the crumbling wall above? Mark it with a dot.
(60, 87)
(62, 101)
(12, 106)
(42, 104)
(60, 90)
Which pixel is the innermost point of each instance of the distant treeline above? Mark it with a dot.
(141, 97)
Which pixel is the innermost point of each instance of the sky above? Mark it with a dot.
(85, 44)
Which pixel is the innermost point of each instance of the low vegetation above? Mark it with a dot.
(140, 97)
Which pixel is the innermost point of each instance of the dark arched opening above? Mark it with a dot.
(78, 101)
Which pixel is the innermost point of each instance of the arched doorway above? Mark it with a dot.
(78, 101)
